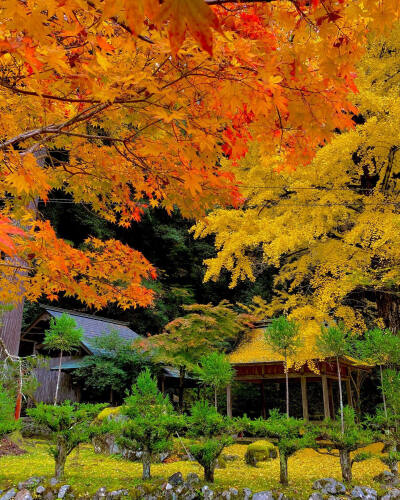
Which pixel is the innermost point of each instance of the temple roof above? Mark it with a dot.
(254, 349)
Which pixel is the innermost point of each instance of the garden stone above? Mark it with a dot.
(116, 494)
(315, 496)
(263, 495)
(329, 486)
(364, 493)
(40, 490)
(49, 495)
(208, 494)
(100, 493)
(387, 477)
(63, 491)
(391, 494)
(54, 481)
(30, 483)
(23, 495)
(247, 493)
(176, 479)
(9, 494)
(230, 458)
(192, 478)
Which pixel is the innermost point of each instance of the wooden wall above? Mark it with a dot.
(48, 380)
(10, 328)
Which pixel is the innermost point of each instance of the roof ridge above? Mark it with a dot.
(84, 315)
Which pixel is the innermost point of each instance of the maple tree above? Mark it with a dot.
(331, 228)
(186, 339)
(120, 105)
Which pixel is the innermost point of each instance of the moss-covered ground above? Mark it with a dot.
(86, 471)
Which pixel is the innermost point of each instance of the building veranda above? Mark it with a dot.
(256, 363)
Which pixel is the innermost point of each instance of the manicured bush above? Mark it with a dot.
(291, 434)
(69, 424)
(260, 451)
(151, 421)
(213, 431)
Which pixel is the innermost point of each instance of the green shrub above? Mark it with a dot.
(260, 451)
(110, 412)
(7, 421)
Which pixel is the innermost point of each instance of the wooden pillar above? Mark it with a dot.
(331, 400)
(304, 399)
(348, 390)
(229, 400)
(325, 395)
(163, 383)
(263, 403)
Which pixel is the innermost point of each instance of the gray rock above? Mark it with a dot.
(234, 492)
(30, 483)
(208, 494)
(329, 486)
(9, 494)
(230, 458)
(315, 496)
(391, 494)
(176, 479)
(23, 495)
(364, 493)
(49, 495)
(263, 495)
(54, 481)
(40, 490)
(63, 491)
(247, 493)
(192, 478)
(387, 477)
(100, 493)
(116, 494)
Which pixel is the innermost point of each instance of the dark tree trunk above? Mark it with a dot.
(388, 306)
(181, 387)
(209, 473)
(345, 464)
(60, 459)
(146, 461)
(283, 463)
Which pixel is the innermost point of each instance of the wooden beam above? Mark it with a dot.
(229, 400)
(325, 395)
(304, 399)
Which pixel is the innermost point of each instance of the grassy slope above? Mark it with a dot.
(87, 472)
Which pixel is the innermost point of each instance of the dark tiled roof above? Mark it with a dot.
(95, 326)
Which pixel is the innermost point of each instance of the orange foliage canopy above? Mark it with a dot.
(143, 98)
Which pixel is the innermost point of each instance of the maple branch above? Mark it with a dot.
(221, 2)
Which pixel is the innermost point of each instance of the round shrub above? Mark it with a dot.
(260, 451)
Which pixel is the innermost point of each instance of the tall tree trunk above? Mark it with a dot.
(209, 473)
(215, 398)
(283, 464)
(345, 464)
(146, 461)
(58, 379)
(287, 386)
(60, 460)
(181, 386)
(388, 306)
(383, 391)
(340, 395)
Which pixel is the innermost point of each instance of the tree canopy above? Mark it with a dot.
(121, 106)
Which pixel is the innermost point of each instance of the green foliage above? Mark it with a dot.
(333, 341)
(114, 366)
(69, 425)
(215, 370)
(379, 347)
(151, 419)
(283, 336)
(260, 451)
(213, 431)
(355, 435)
(63, 334)
(7, 420)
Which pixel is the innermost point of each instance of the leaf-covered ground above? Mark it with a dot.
(87, 472)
